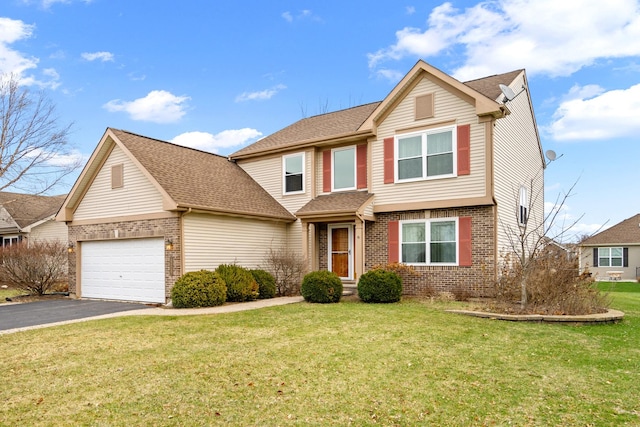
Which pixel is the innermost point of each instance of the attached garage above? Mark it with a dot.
(129, 270)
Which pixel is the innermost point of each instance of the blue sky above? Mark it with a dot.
(219, 75)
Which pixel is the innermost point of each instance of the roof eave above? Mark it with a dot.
(235, 213)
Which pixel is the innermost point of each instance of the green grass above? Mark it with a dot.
(8, 293)
(338, 364)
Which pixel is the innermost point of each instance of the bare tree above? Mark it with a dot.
(36, 267)
(34, 149)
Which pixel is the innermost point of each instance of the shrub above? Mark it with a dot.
(241, 286)
(35, 267)
(322, 287)
(199, 289)
(288, 268)
(380, 285)
(266, 283)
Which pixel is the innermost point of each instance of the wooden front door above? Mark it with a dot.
(340, 250)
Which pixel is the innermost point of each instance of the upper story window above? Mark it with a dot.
(293, 170)
(428, 154)
(343, 168)
(429, 242)
(523, 211)
(610, 257)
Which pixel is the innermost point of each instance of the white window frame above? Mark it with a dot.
(427, 223)
(609, 257)
(523, 206)
(7, 240)
(423, 134)
(284, 173)
(355, 168)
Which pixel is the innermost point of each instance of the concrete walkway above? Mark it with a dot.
(161, 311)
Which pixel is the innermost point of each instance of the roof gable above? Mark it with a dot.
(625, 232)
(187, 178)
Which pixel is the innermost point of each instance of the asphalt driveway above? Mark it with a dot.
(14, 316)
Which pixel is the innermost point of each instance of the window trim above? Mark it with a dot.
(7, 241)
(284, 173)
(523, 206)
(609, 248)
(355, 168)
(427, 223)
(424, 133)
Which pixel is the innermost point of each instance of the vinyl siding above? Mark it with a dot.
(517, 162)
(137, 196)
(600, 273)
(211, 240)
(447, 107)
(50, 231)
(267, 172)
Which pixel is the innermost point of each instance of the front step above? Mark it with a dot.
(349, 289)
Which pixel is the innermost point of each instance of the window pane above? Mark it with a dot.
(410, 147)
(440, 143)
(410, 168)
(442, 231)
(344, 173)
(603, 252)
(413, 232)
(414, 253)
(603, 262)
(616, 252)
(443, 252)
(441, 164)
(616, 262)
(293, 183)
(293, 165)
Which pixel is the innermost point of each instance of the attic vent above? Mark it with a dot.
(117, 176)
(424, 106)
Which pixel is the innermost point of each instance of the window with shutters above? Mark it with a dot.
(293, 173)
(429, 242)
(343, 168)
(425, 155)
(610, 257)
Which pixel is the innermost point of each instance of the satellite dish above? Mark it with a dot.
(551, 155)
(508, 93)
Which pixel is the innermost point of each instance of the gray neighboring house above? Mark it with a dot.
(30, 217)
(613, 254)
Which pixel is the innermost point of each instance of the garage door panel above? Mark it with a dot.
(131, 270)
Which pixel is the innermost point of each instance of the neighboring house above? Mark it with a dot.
(613, 253)
(437, 175)
(26, 217)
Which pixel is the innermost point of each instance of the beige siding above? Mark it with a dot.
(211, 240)
(50, 231)
(517, 163)
(448, 107)
(268, 173)
(601, 273)
(137, 196)
(294, 236)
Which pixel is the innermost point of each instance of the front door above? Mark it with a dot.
(340, 250)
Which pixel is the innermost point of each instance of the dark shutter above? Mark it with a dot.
(361, 169)
(393, 242)
(595, 257)
(389, 166)
(464, 237)
(625, 257)
(464, 149)
(326, 171)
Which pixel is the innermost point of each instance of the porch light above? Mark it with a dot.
(71, 248)
(169, 245)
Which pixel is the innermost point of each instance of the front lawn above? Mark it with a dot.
(339, 364)
(9, 293)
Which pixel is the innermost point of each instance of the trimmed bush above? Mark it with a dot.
(241, 286)
(199, 289)
(266, 283)
(322, 287)
(380, 286)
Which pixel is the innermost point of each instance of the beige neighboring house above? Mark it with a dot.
(438, 175)
(613, 254)
(26, 217)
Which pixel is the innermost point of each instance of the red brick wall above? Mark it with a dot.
(169, 228)
(476, 280)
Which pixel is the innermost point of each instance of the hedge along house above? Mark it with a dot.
(144, 211)
(28, 217)
(437, 175)
(440, 175)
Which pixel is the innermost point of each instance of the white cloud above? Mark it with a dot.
(208, 142)
(550, 37)
(158, 106)
(303, 14)
(102, 56)
(589, 112)
(410, 10)
(260, 95)
(287, 16)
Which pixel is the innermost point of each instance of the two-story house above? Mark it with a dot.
(438, 175)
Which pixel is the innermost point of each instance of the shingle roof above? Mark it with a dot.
(489, 86)
(625, 232)
(337, 203)
(323, 126)
(202, 180)
(27, 209)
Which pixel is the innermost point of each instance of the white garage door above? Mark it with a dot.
(130, 270)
